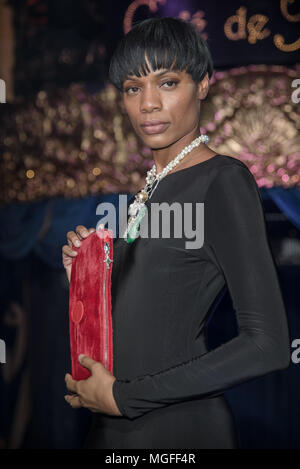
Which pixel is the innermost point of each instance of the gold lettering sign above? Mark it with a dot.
(285, 13)
(255, 26)
(278, 38)
(236, 27)
(238, 19)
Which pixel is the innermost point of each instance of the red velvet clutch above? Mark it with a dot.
(90, 320)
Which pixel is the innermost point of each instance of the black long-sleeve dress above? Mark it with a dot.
(169, 386)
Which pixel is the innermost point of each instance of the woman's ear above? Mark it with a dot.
(202, 87)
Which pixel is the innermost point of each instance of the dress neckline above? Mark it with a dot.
(191, 167)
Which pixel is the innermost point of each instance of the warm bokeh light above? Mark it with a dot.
(72, 143)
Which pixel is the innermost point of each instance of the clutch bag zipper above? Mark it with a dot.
(107, 262)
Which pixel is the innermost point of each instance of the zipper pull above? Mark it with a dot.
(107, 258)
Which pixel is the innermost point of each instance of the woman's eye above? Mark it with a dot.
(168, 82)
(131, 88)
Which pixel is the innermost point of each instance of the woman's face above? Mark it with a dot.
(169, 97)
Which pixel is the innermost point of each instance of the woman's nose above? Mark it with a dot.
(150, 100)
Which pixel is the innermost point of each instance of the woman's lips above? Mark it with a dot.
(155, 128)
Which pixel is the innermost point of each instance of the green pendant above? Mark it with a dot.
(133, 232)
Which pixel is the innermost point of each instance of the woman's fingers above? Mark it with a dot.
(74, 401)
(68, 251)
(74, 239)
(82, 231)
(74, 387)
(71, 383)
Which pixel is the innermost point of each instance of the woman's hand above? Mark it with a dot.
(95, 392)
(74, 238)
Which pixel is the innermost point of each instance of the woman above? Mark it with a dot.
(167, 388)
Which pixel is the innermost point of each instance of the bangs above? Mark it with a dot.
(159, 57)
(168, 43)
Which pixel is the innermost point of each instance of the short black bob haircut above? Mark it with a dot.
(169, 43)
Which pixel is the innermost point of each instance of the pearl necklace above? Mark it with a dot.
(138, 209)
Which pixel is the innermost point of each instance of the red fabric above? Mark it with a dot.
(87, 305)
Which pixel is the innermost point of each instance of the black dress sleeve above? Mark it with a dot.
(235, 234)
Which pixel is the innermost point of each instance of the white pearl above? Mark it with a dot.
(152, 175)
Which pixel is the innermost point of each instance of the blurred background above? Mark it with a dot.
(66, 146)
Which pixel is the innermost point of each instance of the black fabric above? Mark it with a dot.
(169, 386)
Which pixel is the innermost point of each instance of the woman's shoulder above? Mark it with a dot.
(225, 167)
(225, 161)
(229, 174)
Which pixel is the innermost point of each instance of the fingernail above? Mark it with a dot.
(80, 357)
(75, 252)
(77, 243)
